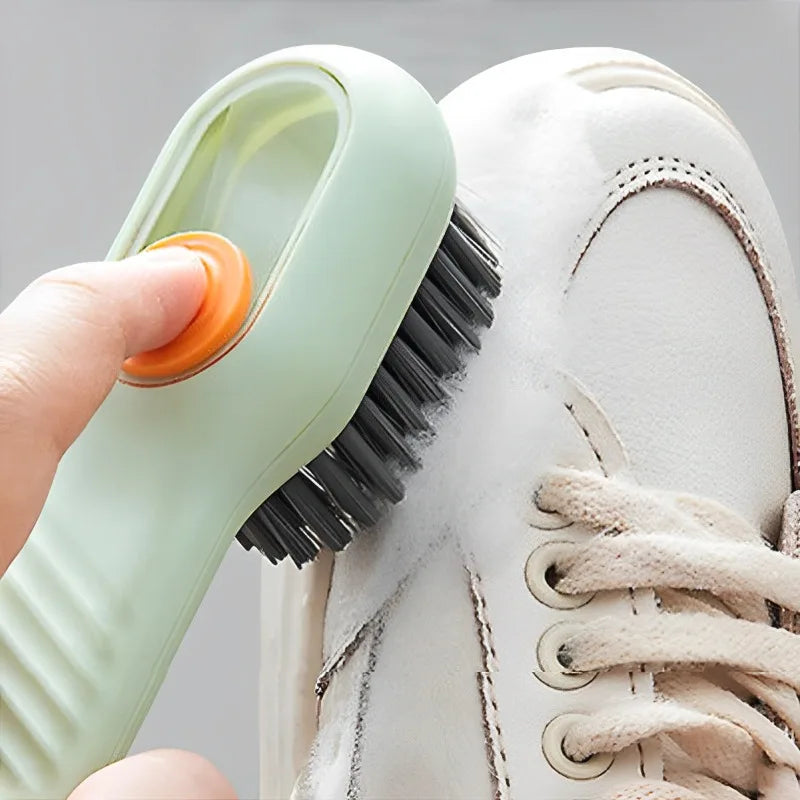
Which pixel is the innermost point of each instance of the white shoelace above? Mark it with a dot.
(726, 677)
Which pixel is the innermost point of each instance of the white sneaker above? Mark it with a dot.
(484, 642)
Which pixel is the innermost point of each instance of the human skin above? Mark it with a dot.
(62, 343)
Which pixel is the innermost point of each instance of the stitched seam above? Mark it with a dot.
(325, 677)
(353, 784)
(676, 173)
(636, 176)
(340, 657)
(631, 596)
(659, 165)
(488, 735)
(498, 763)
(571, 409)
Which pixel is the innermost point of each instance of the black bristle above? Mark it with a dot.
(446, 275)
(444, 318)
(309, 504)
(265, 535)
(396, 403)
(353, 498)
(472, 262)
(262, 536)
(349, 486)
(368, 465)
(414, 374)
(244, 538)
(429, 345)
(382, 436)
(464, 223)
(287, 527)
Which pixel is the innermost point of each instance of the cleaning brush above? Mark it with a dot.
(346, 287)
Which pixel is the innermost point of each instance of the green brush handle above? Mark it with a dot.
(146, 502)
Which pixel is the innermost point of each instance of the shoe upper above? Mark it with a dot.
(640, 358)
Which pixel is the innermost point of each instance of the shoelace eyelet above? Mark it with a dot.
(543, 519)
(553, 738)
(552, 670)
(539, 564)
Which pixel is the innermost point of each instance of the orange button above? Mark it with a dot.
(221, 314)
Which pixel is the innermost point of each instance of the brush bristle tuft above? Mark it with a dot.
(351, 484)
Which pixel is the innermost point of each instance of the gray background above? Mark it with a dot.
(90, 90)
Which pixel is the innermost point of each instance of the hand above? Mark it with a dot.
(62, 343)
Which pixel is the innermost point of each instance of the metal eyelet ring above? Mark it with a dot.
(553, 747)
(551, 671)
(543, 519)
(539, 563)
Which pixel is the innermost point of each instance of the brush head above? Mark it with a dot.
(351, 484)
